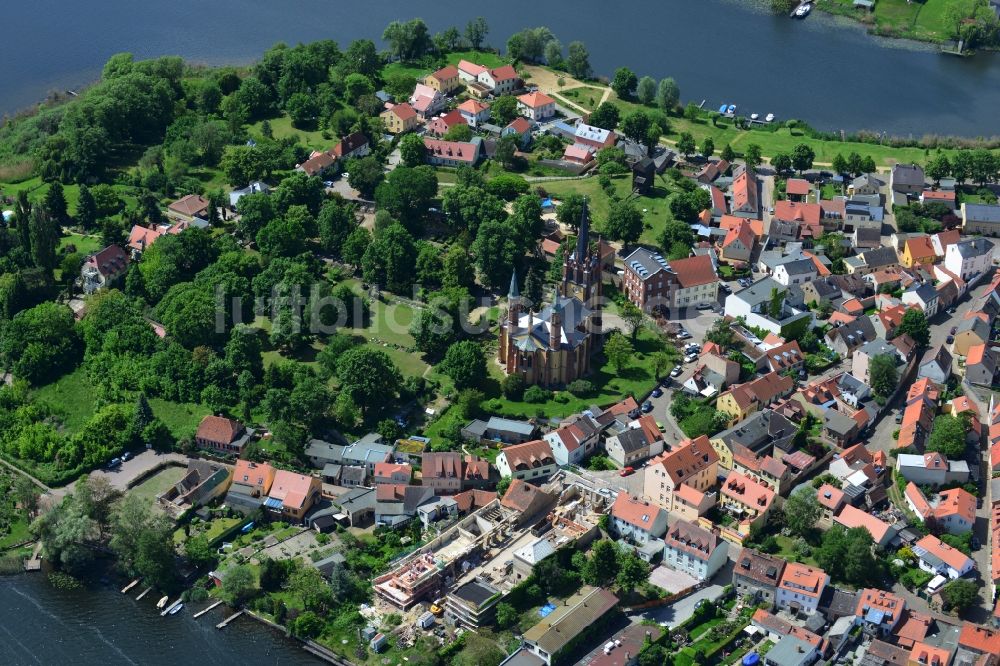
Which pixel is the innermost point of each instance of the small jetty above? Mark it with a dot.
(130, 586)
(202, 612)
(224, 623)
(34, 563)
(143, 593)
(170, 607)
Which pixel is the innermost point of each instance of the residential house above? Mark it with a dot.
(922, 295)
(946, 197)
(319, 162)
(474, 112)
(400, 118)
(747, 500)
(694, 550)
(502, 80)
(743, 399)
(632, 445)
(520, 128)
(103, 268)
(637, 521)
(537, 106)
(426, 101)
(797, 189)
(528, 501)
(953, 511)
(595, 137)
(255, 187)
(531, 460)
(440, 125)
(453, 153)
(398, 504)
(973, 330)
(924, 654)
(221, 434)
(444, 80)
(693, 463)
(189, 207)
(757, 304)
(367, 452)
(452, 472)
(203, 481)
(936, 557)
(969, 258)
(578, 154)
(882, 532)
(907, 179)
(863, 355)
(935, 365)
(561, 628)
(918, 251)
(357, 505)
(820, 289)
(694, 282)
(879, 612)
(757, 574)
(795, 272)
(575, 440)
(744, 200)
(392, 473)
(759, 432)
(981, 365)
(831, 499)
(932, 468)
(292, 495)
(764, 469)
(867, 183)
(468, 72)
(353, 145)
(979, 640)
(980, 219)
(801, 587)
(250, 485)
(872, 260)
(738, 244)
(848, 338)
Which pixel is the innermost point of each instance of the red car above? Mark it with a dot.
(627, 471)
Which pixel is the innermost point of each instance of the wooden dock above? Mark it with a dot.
(130, 586)
(224, 623)
(143, 593)
(169, 607)
(202, 612)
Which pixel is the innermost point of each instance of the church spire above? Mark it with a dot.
(513, 293)
(583, 239)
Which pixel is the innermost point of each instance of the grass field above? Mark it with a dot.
(923, 21)
(282, 127)
(181, 418)
(83, 244)
(18, 532)
(158, 483)
(72, 397)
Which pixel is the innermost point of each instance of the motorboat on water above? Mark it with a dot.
(754, 116)
(803, 10)
(769, 118)
(731, 109)
(176, 609)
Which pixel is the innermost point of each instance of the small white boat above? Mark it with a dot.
(754, 116)
(803, 10)
(769, 118)
(162, 602)
(732, 109)
(176, 609)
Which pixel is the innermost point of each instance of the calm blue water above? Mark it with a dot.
(833, 76)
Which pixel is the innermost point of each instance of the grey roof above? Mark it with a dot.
(799, 266)
(908, 174)
(327, 564)
(973, 247)
(861, 329)
(925, 292)
(852, 384)
(750, 432)
(976, 325)
(317, 448)
(646, 263)
(476, 427)
(879, 347)
(331, 470)
(759, 292)
(939, 354)
(632, 440)
(825, 288)
(510, 425)
(981, 212)
(790, 651)
(413, 497)
(838, 423)
(867, 179)
(880, 256)
(352, 475)
(867, 234)
(476, 592)
(368, 449)
(356, 499)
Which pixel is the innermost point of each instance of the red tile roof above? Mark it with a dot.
(979, 639)
(537, 453)
(455, 150)
(920, 248)
(218, 429)
(742, 232)
(445, 73)
(954, 558)
(190, 205)
(520, 125)
(749, 493)
(473, 107)
(689, 458)
(634, 511)
(534, 100)
(803, 579)
(875, 599)
(797, 186)
(505, 73)
(794, 211)
(850, 517)
(830, 497)
(694, 271)
(403, 111)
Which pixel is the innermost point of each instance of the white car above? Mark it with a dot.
(690, 358)
(676, 371)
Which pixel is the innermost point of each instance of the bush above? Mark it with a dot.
(512, 387)
(536, 395)
(580, 387)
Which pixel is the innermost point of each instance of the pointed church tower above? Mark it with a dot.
(513, 300)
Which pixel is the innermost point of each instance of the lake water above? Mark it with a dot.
(99, 626)
(822, 70)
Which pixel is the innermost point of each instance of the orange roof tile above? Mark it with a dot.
(920, 247)
(534, 100)
(634, 511)
(803, 579)
(850, 517)
(953, 557)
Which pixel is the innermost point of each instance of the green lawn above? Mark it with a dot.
(586, 97)
(655, 208)
(158, 483)
(181, 418)
(787, 551)
(479, 57)
(282, 127)
(18, 532)
(84, 244)
(72, 397)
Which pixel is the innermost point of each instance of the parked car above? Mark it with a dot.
(647, 407)
(950, 339)
(954, 330)
(126, 456)
(660, 426)
(676, 371)
(627, 471)
(725, 287)
(692, 347)
(690, 358)
(704, 306)
(115, 462)
(899, 416)
(657, 392)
